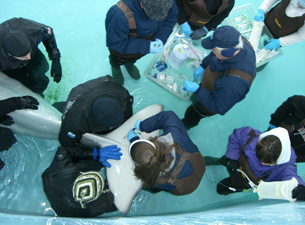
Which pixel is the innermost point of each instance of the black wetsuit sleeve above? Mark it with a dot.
(50, 43)
(293, 106)
(299, 193)
(7, 106)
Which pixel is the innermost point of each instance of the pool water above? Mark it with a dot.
(80, 33)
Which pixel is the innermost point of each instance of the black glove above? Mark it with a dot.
(26, 102)
(6, 120)
(56, 70)
(199, 33)
(232, 165)
(1, 164)
(299, 193)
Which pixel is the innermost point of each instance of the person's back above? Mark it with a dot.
(96, 106)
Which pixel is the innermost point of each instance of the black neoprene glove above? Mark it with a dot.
(26, 102)
(56, 70)
(299, 193)
(232, 165)
(1, 164)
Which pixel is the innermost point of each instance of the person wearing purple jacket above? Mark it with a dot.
(264, 156)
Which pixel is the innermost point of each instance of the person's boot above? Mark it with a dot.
(116, 71)
(132, 70)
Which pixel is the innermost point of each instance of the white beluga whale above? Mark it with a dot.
(45, 123)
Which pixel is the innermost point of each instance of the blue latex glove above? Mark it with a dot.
(199, 33)
(156, 46)
(186, 28)
(190, 86)
(108, 152)
(272, 126)
(198, 72)
(273, 44)
(260, 16)
(131, 135)
(137, 125)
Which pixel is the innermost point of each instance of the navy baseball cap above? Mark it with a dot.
(223, 37)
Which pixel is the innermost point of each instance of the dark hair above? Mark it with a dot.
(150, 161)
(269, 149)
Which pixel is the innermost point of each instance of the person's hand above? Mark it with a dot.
(56, 70)
(198, 72)
(108, 152)
(272, 126)
(26, 102)
(131, 135)
(156, 46)
(199, 33)
(260, 16)
(190, 86)
(273, 44)
(186, 28)
(232, 165)
(137, 125)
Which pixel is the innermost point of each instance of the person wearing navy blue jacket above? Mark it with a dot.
(170, 162)
(226, 75)
(135, 28)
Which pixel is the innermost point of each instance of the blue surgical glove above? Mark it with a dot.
(199, 33)
(186, 28)
(131, 135)
(198, 72)
(273, 44)
(156, 46)
(272, 126)
(260, 16)
(137, 125)
(190, 86)
(108, 152)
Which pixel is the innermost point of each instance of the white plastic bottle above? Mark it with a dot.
(178, 55)
(164, 78)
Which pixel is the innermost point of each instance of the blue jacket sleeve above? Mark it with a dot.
(237, 139)
(117, 34)
(169, 122)
(166, 29)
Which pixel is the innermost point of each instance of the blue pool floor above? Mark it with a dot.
(80, 32)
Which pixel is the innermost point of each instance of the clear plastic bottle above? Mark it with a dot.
(164, 78)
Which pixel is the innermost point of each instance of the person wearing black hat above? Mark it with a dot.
(96, 106)
(20, 57)
(197, 17)
(74, 183)
(226, 75)
(7, 138)
(135, 28)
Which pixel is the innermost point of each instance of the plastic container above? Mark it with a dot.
(164, 78)
(178, 55)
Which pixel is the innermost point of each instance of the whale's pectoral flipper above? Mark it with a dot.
(122, 181)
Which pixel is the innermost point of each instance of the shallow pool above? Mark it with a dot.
(80, 33)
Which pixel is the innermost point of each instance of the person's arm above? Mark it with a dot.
(215, 21)
(161, 120)
(294, 105)
(293, 38)
(68, 136)
(117, 34)
(267, 4)
(15, 103)
(168, 24)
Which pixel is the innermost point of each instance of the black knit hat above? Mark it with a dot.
(157, 9)
(107, 112)
(16, 44)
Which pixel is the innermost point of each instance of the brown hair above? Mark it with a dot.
(150, 162)
(269, 149)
